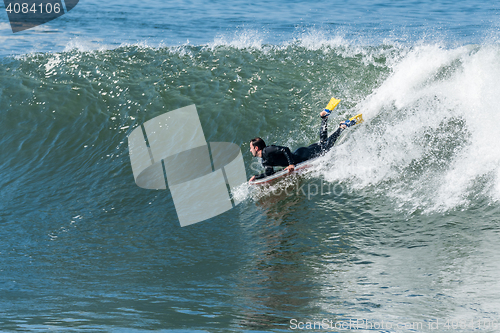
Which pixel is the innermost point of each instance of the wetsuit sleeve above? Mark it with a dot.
(288, 154)
(268, 171)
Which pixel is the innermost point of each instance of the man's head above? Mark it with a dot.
(256, 146)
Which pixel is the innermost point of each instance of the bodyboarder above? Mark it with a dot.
(282, 156)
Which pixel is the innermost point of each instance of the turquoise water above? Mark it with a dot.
(397, 226)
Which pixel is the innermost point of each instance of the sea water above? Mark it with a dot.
(396, 230)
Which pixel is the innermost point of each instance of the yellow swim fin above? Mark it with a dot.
(357, 118)
(332, 105)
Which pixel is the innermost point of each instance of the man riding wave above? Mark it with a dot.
(282, 156)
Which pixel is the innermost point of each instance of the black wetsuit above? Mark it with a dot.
(282, 156)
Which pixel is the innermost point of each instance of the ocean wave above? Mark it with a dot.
(426, 143)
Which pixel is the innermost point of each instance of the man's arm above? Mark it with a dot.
(268, 171)
(288, 154)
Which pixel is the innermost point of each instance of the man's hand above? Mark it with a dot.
(290, 168)
(252, 179)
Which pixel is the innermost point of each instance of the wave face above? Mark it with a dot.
(428, 141)
(417, 183)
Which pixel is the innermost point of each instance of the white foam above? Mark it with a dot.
(406, 150)
(84, 45)
(314, 39)
(240, 40)
(476, 89)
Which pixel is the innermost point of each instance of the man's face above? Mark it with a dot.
(253, 150)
